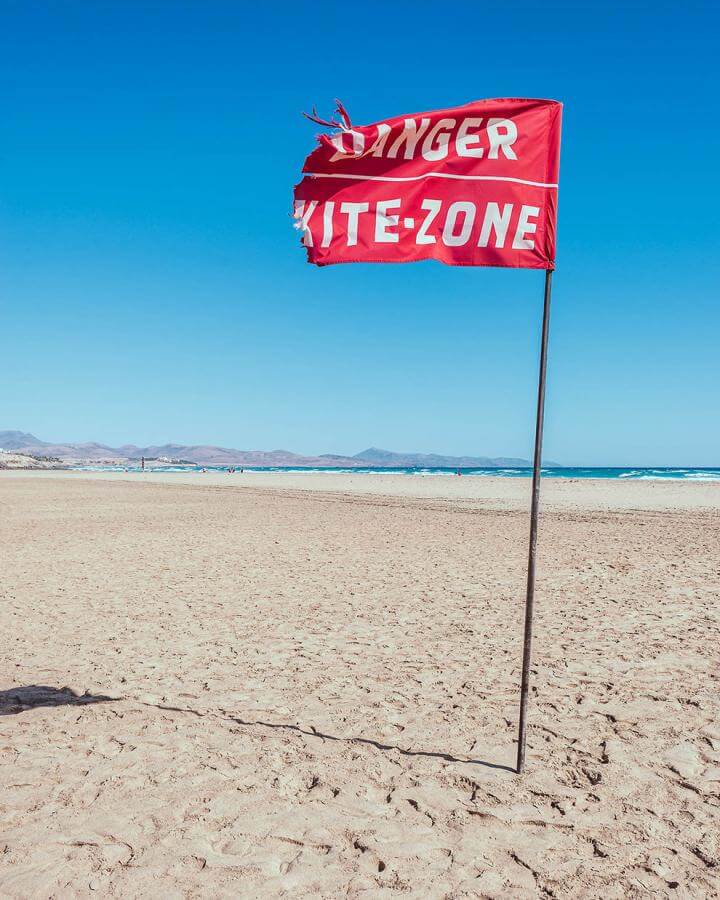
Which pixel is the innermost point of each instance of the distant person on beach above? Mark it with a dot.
(142, 463)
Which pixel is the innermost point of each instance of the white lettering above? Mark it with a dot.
(467, 210)
(304, 216)
(471, 139)
(434, 208)
(502, 134)
(464, 141)
(497, 221)
(410, 135)
(353, 210)
(327, 223)
(383, 221)
(525, 226)
(381, 139)
(358, 143)
(440, 133)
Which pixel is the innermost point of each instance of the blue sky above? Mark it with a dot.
(152, 287)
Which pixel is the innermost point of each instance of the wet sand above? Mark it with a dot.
(487, 491)
(307, 685)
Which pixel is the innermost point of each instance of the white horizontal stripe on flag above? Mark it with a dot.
(429, 175)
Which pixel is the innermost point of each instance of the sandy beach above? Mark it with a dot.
(307, 686)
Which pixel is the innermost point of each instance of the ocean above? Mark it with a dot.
(637, 473)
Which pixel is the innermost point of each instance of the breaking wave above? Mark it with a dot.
(639, 474)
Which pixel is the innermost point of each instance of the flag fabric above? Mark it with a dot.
(475, 185)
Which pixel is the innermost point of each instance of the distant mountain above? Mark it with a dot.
(379, 457)
(13, 440)
(211, 455)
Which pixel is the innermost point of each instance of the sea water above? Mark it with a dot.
(637, 473)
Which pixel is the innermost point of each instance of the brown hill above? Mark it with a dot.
(211, 455)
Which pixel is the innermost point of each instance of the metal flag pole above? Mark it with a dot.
(537, 463)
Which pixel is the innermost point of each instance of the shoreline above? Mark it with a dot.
(485, 491)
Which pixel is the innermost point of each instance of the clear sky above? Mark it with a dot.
(152, 287)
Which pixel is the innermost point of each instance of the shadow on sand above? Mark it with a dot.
(378, 744)
(314, 733)
(20, 699)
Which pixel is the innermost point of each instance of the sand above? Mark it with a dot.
(493, 493)
(278, 686)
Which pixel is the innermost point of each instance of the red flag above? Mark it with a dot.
(475, 185)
